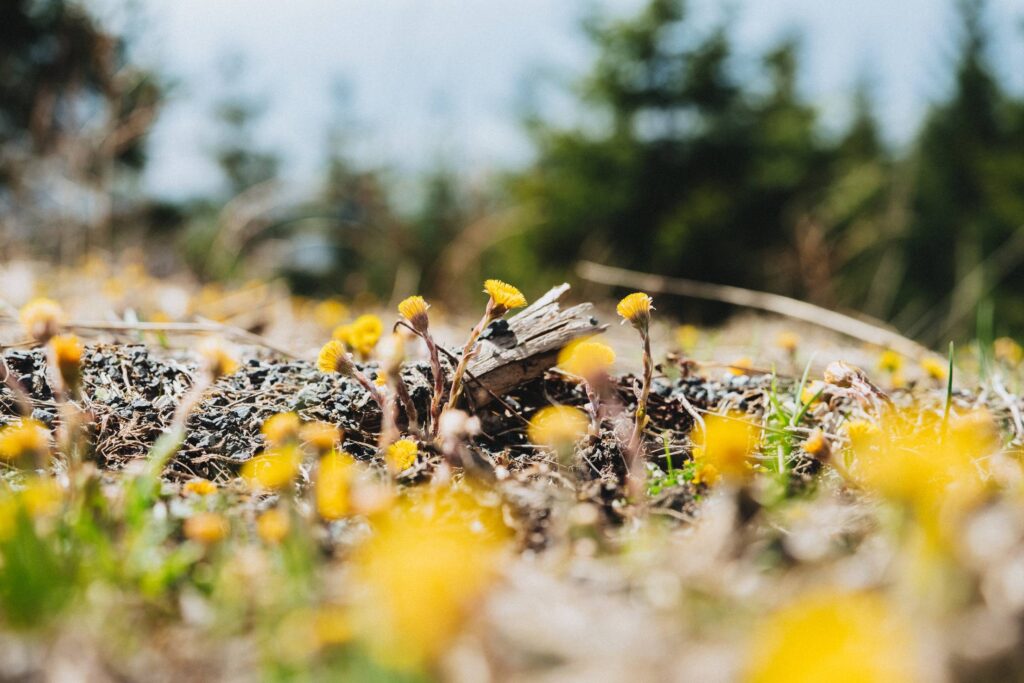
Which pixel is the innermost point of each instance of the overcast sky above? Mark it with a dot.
(433, 77)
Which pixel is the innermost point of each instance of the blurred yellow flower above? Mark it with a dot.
(207, 528)
(281, 429)
(636, 309)
(505, 296)
(687, 337)
(67, 352)
(1008, 351)
(273, 525)
(741, 366)
(199, 487)
(401, 455)
(24, 440)
(364, 334)
(320, 436)
(727, 442)
(219, 360)
(272, 470)
(329, 313)
(587, 358)
(935, 368)
(788, 341)
(420, 573)
(835, 637)
(705, 473)
(41, 319)
(890, 361)
(557, 426)
(333, 485)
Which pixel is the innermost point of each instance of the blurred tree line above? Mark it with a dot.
(680, 163)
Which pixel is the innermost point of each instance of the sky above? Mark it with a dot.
(432, 79)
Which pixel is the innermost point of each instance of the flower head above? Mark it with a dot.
(199, 487)
(320, 436)
(587, 358)
(505, 297)
(273, 469)
(557, 426)
(788, 341)
(41, 319)
(67, 352)
(817, 445)
(1008, 351)
(219, 360)
(281, 428)
(364, 334)
(728, 442)
(329, 313)
(934, 368)
(687, 337)
(334, 358)
(26, 440)
(636, 309)
(333, 485)
(207, 528)
(273, 525)
(414, 310)
(890, 361)
(829, 636)
(401, 455)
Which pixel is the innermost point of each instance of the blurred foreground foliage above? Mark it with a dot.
(684, 158)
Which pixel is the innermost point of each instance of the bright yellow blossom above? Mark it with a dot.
(320, 436)
(273, 469)
(727, 442)
(505, 296)
(67, 352)
(935, 368)
(364, 334)
(207, 528)
(414, 310)
(281, 428)
(200, 487)
(557, 426)
(636, 309)
(832, 636)
(273, 525)
(41, 319)
(333, 485)
(24, 440)
(334, 358)
(890, 361)
(586, 358)
(401, 455)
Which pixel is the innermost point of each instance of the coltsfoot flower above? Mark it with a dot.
(364, 334)
(586, 358)
(281, 429)
(207, 528)
(199, 487)
(505, 296)
(414, 310)
(320, 436)
(273, 469)
(557, 427)
(273, 525)
(935, 368)
(401, 455)
(219, 360)
(41, 319)
(334, 358)
(333, 485)
(67, 352)
(636, 309)
(23, 441)
(728, 442)
(788, 341)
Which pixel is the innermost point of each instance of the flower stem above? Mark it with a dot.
(467, 354)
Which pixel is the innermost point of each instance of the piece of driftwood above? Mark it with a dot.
(527, 344)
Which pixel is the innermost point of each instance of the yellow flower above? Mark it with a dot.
(420, 575)
(281, 428)
(788, 342)
(320, 436)
(200, 487)
(219, 361)
(364, 334)
(727, 443)
(1008, 351)
(414, 310)
(401, 455)
(505, 297)
(381, 379)
(273, 525)
(332, 626)
(636, 309)
(207, 528)
(832, 636)
(812, 390)
(890, 361)
(333, 485)
(329, 313)
(67, 352)
(706, 473)
(343, 333)
(741, 366)
(41, 318)
(586, 358)
(687, 337)
(557, 426)
(272, 470)
(817, 445)
(934, 367)
(24, 440)
(334, 358)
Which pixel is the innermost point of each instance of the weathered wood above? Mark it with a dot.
(508, 357)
